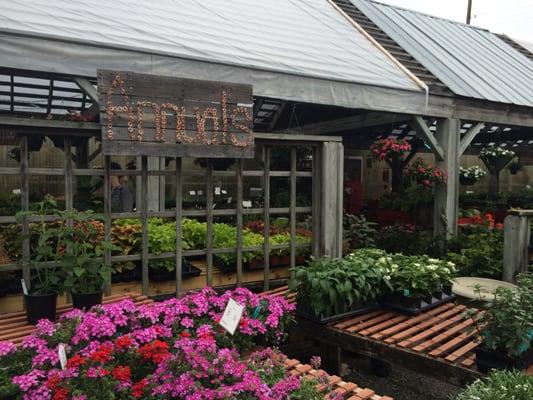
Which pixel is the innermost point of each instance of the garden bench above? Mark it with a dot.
(438, 342)
(15, 328)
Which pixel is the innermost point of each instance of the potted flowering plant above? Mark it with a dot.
(425, 174)
(506, 327)
(495, 158)
(46, 283)
(471, 175)
(394, 152)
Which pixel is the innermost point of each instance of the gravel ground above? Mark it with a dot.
(401, 384)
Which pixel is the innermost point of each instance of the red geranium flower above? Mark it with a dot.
(124, 342)
(122, 373)
(75, 361)
(138, 389)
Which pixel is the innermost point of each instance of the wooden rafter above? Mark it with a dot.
(469, 136)
(423, 131)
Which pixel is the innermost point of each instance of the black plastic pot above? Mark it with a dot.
(303, 309)
(40, 307)
(498, 359)
(86, 300)
(415, 305)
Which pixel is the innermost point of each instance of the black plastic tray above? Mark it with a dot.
(302, 310)
(396, 303)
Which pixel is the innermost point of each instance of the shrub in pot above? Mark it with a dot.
(506, 328)
(82, 260)
(46, 278)
(280, 257)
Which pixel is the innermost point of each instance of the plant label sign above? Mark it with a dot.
(232, 316)
(62, 355)
(154, 115)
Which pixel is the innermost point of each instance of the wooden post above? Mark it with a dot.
(209, 220)
(107, 213)
(266, 216)
(144, 220)
(446, 199)
(293, 208)
(239, 222)
(331, 199)
(25, 206)
(178, 199)
(317, 175)
(516, 239)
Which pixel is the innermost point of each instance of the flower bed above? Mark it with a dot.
(172, 349)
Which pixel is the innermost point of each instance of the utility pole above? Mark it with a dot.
(469, 12)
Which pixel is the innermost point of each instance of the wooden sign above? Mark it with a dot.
(173, 117)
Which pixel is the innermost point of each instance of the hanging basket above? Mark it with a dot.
(463, 180)
(495, 165)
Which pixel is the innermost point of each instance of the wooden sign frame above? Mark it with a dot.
(152, 115)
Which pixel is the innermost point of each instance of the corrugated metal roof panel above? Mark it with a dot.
(471, 61)
(302, 37)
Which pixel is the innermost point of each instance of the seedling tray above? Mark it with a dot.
(414, 306)
(303, 310)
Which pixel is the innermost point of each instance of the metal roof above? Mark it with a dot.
(302, 37)
(471, 61)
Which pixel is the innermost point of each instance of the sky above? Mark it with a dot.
(512, 17)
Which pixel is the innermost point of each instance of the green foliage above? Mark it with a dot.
(47, 278)
(81, 260)
(331, 286)
(478, 253)
(162, 239)
(194, 233)
(500, 385)
(9, 203)
(507, 321)
(407, 239)
(413, 197)
(358, 232)
(280, 239)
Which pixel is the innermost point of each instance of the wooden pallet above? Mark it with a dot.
(15, 328)
(440, 341)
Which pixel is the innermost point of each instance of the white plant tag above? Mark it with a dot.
(217, 191)
(224, 191)
(62, 355)
(232, 316)
(24, 287)
(200, 192)
(192, 192)
(247, 203)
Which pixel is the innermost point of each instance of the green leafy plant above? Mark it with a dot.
(500, 385)
(81, 259)
(478, 253)
(194, 233)
(280, 239)
(358, 232)
(46, 276)
(506, 323)
(332, 286)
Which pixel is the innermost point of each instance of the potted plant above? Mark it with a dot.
(41, 299)
(415, 279)
(393, 152)
(280, 257)
(82, 253)
(495, 159)
(506, 328)
(331, 289)
(426, 174)
(469, 176)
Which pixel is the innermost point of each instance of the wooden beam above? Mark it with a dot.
(87, 87)
(491, 112)
(49, 124)
(296, 137)
(470, 135)
(424, 133)
(349, 123)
